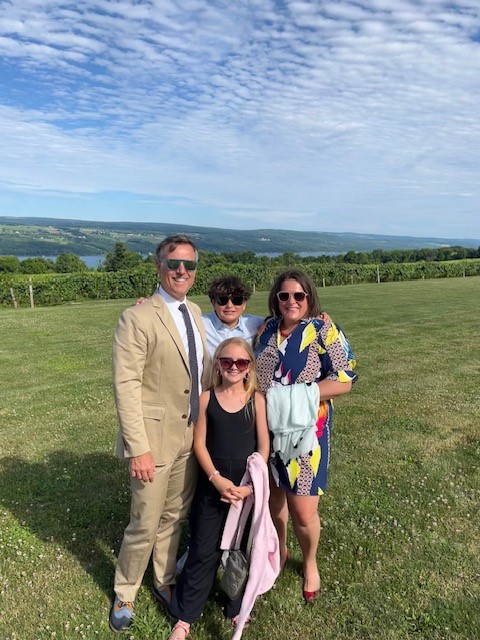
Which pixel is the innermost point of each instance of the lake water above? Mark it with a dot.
(94, 261)
(90, 261)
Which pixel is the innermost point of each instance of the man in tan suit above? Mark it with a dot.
(157, 400)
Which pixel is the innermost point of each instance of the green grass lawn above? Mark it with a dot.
(400, 549)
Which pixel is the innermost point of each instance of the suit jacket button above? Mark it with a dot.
(184, 416)
(187, 391)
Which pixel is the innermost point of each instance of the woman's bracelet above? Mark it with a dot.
(215, 473)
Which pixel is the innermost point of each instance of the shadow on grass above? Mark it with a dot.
(79, 502)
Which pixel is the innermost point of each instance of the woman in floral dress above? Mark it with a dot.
(296, 346)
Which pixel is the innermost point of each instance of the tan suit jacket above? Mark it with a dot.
(152, 380)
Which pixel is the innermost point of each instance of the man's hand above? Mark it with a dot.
(143, 467)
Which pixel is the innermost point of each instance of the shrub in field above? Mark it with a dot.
(69, 263)
(122, 258)
(36, 265)
(9, 264)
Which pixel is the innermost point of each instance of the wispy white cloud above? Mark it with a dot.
(332, 115)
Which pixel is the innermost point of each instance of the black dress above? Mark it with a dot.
(230, 439)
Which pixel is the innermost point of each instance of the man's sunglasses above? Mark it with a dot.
(227, 363)
(223, 300)
(298, 296)
(174, 264)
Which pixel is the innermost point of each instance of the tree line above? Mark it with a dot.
(122, 258)
(377, 256)
(58, 288)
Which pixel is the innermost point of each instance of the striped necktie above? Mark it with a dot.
(192, 357)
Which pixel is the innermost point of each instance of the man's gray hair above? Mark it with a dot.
(170, 243)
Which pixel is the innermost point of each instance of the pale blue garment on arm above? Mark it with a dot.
(292, 412)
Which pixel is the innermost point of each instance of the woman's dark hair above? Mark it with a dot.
(228, 286)
(307, 285)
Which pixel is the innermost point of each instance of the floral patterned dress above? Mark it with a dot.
(314, 351)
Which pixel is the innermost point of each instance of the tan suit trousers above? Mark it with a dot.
(157, 513)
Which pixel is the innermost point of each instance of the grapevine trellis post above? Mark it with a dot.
(15, 303)
(30, 291)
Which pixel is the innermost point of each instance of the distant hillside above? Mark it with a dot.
(52, 236)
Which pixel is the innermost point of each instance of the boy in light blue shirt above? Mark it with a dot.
(229, 296)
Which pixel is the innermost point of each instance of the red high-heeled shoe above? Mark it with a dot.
(309, 596)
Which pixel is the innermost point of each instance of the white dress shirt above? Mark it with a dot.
(173, 304)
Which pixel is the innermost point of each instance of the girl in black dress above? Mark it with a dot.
(231, 425)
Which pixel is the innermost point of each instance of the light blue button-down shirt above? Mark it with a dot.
(217, 331)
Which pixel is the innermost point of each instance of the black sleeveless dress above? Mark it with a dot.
(231, 438)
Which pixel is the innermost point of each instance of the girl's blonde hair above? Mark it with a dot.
(250, 382)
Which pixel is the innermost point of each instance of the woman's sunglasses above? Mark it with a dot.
(173, 264)
(223, 300)
(241, 363)
(298, 296)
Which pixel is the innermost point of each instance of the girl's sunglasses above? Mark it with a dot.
(173, 264)
(241, 363)
(223, 300)
(298, 296)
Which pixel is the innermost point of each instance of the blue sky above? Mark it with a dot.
(344, 116)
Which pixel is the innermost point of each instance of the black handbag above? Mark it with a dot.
(235, 562)
(235, 572)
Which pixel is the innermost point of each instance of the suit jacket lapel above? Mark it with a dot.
(169, 324)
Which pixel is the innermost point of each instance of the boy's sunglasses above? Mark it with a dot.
(174, 264)
(298, 296)
(223, 300)
(227, 363)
